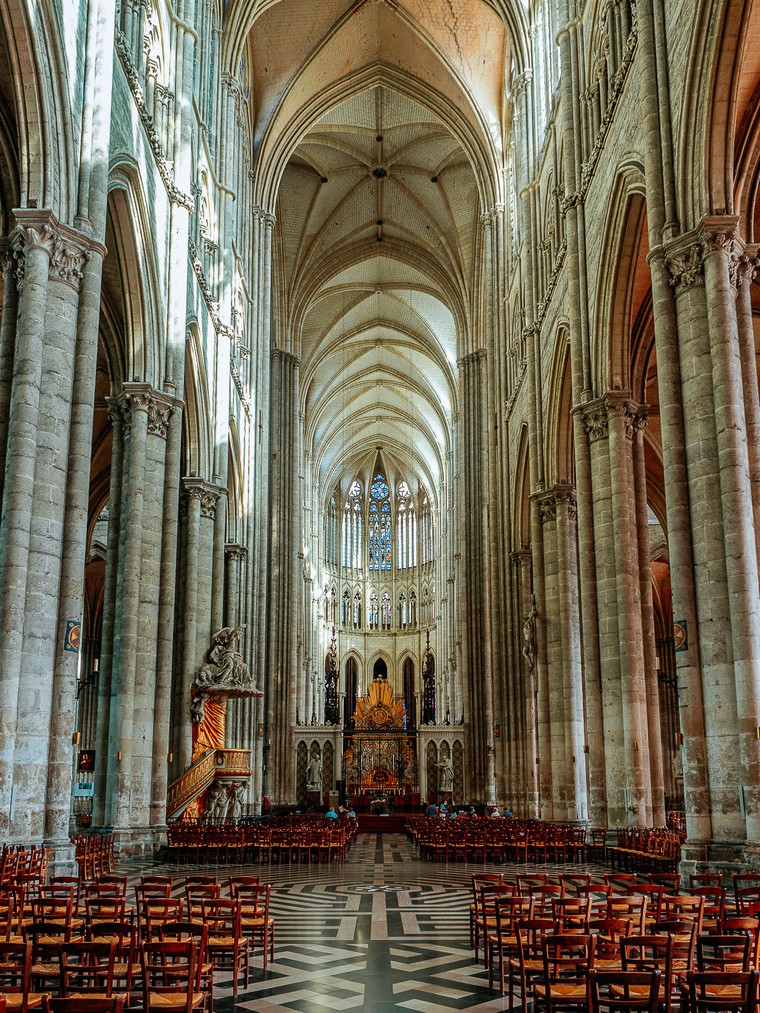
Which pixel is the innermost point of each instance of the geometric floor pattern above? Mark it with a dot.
(382, 931)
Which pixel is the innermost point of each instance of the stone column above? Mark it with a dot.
(594, 415)
(621, 422)
(721, 773)
(647, 621)
(74, 548)
(572, 665)
(721, 250)
(746, 270)
(33, 245)
(171, 430)
(551, 727)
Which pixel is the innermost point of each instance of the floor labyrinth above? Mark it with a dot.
(383, 931)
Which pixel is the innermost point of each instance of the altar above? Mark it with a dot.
(380, 755)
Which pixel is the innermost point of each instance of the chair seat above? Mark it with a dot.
(97, 995)
(635, 990)
(52, 970)
(256, 923)
(176, 1000)
(493, 939)
(225, 942)
(15, 1000)
(560, 991)
(531, 966)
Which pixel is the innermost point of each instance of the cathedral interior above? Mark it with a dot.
(379, 413)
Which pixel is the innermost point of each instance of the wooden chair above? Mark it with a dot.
(194, 932)
(16, 977)
(169, 973)
(158, 913)
(476, 879)
(508, 911)
(543, 898)
(651, 953)
(623, 991)
(724, 953)
(567, 959)
(714, 910)
(573, 882)
(749, 927)
(255, 919)
(525, 880)
(123, 936)
(712, 991)
(87, 968)
(196, 894)
(608, 933)
(599, 895)
(632, 906)
(228, 947)
(485, 916)
(46, 939)
(572, 913)
(528, 966)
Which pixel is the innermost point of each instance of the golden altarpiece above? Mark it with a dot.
(379, 754)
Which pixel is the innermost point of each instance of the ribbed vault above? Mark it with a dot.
(380, 127)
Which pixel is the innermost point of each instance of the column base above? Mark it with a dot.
(727, 858)
(137, 842)
(62, 858)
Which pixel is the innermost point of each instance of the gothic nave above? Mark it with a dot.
(379, 413)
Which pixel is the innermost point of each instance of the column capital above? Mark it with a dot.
(68, 249)
(547, 505)
(620, 405)
(287, 357)
(142, 397)
(265, 217)
(206, 493)
(233, 550)
(521, 81)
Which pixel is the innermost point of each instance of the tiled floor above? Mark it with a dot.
(383, 931)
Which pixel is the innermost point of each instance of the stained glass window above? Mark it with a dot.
(379, 527)
(352, 528)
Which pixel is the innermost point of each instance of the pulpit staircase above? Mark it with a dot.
(225, 765)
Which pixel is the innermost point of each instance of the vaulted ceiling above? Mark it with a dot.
(380, 132)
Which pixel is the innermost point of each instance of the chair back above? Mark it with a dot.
(567, 958)
(572, 913)
(724, 953)
(623, 991)
(711, 991)
(169, 976)
(15, 968)
(87, 967)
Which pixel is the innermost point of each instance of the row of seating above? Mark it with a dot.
(617, 919)
(306, 841)
(75, 942)
(472, 838)
(647, 849)
(94, 854)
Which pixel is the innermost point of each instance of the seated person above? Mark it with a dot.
(432, 809)
(351, 814)
(331, 814)
(496, 812)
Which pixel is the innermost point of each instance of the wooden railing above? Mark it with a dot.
(216, 763)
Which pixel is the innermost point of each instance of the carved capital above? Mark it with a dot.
(747, 266)
(594, 415)
(521, 81)
(684, 266)
(67, 249)
(205, 493)
(547, 506)
(265, 217)
(158, 406)
(619, 405)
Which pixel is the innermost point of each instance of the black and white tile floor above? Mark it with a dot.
(382, 931)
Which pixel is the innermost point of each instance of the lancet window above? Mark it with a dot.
(379, 525)
(406, 529)
(353, 528)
